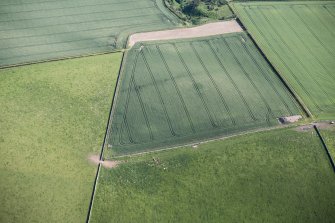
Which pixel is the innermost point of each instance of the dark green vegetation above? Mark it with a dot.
(200, 11)
(42, 30)
(298, 38)
(178, 91)
(329, 137)
(52, 116)
(273, 176)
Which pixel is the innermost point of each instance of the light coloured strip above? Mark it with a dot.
(209, 29)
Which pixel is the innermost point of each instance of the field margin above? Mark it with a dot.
(103, 144)
(325, 147)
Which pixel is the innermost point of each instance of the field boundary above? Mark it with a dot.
(103, 144)
(60, 59)
(325, 147)
(219, 138)
(303, 107)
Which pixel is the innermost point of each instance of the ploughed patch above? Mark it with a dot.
(109, 164)
(320, 125)
(289, 119)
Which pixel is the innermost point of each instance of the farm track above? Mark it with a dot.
(210, 29)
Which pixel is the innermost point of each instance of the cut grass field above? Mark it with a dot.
(52, 116)
(272, 176)
(41, 30)
(178, 91)
(298, 39)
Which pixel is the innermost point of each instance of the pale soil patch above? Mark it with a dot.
(320, 125)
(109, 164)
(289, 119)
(210, 29)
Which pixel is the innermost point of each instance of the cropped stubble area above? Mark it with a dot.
(273, 176)
(42, 30)
(299, 40)
(175, 92)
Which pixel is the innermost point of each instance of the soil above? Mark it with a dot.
(210, 29)
(320, 125)
(109, 164)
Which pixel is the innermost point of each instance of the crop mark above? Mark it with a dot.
(281, 59)
(293, 53)
(231, 80)
(177, 89)
(261, 70)
(159, 94)
(195, 86)
(329, 11)
(132, 81)
(214, 84)
(246, 74)
(143, 108)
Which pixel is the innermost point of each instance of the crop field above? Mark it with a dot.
(273, 176)
(175, 92)
(42, 30)
(52, 117)
(298, 38)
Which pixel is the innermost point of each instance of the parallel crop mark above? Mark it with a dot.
(159, 94)
(249, 79)
(195, 86)
(260, 69)
(231, 80)
(177, 89)
(214, 84)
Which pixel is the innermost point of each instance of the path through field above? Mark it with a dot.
(199, 31)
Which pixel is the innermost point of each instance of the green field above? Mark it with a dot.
(42, 30)
(329, 137)
(52, 116)
(272, 176)
(299, 40)
(178, 91)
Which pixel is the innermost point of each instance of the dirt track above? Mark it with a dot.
(210, 29)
